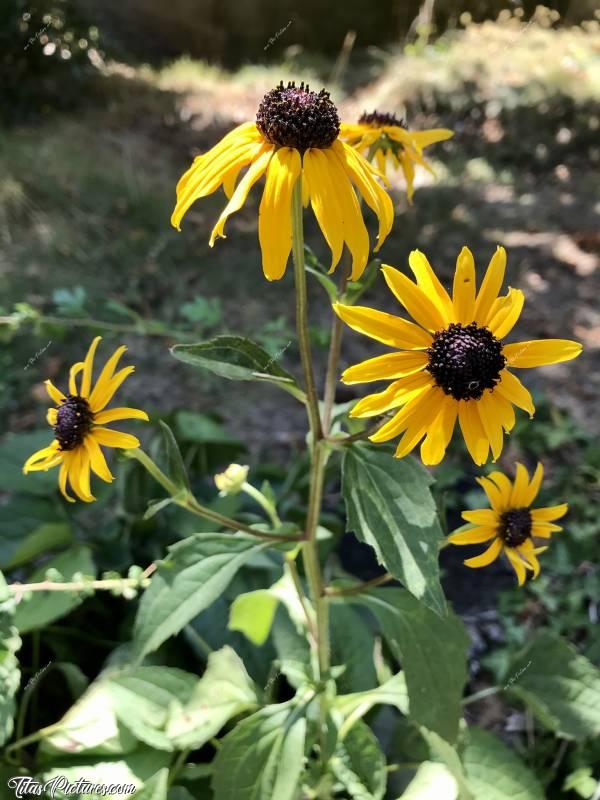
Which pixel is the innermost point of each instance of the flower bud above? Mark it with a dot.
(232, 480)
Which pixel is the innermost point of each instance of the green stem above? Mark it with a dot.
(262, 501)
(481, 695)
(186, 500)
(335, 347)
(359, 588)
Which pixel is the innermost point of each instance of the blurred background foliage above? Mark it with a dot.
(104, 105)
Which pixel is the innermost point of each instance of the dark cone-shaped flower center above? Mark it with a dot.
(74, 422)
(465, 360)
(293, 116)
(515, 526)
(377, 119)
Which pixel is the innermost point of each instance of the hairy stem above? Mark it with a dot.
(335, 346)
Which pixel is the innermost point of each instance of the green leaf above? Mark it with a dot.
(359, 764)
(443, 753)
(15, 449)
(392, 692)
(252, 613)
(356, 288)
(561, 687)
(175, 467)
(238, 359)
(263, 756)
(390, 507)
(30, 526)
(496, 772)
(224, 691)
(195, 573)
(433, 781)
(10, 675)
(41, 608)
(352, 646)
(202, 429)
(416, 636)
(325, 282)
(156, 788)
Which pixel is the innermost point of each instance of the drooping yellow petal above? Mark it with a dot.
(396, 394)
(473, 536)
(97, 460)
(355, 231)
(505, 313)
(540, 352)
(88, 366)
(414, 299)
(111, 438)
(491, 422)
(56, 395)
(428, 281)
(401, 420)
(113, 414)
(275, 213)
(439, 433)
(324, 201)
(408, 171)
(527, 552)
(420, 421)
(482, 516)
(485, 558)
(422, 139)
(383, 327)
(511, 388)
(490, 286)
(475, 437)
(463, 290)
(549, 513)
(386, 367)
(517, 564)
(257, 169)
(42, 459)
(362, 174)
(79, 474)
(62, 478)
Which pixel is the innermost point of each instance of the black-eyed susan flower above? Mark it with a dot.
(452, 362)
(79, 425)
(511, 525)
(392, 145)
(295, 137)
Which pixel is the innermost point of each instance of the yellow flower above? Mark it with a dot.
(295, 136)
(394, 145)
(232, 480)
(78, 423)
(453, 363)
(511, 523)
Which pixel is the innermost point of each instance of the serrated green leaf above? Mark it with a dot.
(390, 507)
(359, 764)
(263, 756)
(495, 772)
(42, 608)
(415, 634)
(238, 359)
(195, 573)
(432, 781)
(224, 691)
(560, 686)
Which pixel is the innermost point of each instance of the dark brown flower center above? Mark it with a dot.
(465, 360)
(73, 422)
(515, 526)
(377, 119)
(293, 116)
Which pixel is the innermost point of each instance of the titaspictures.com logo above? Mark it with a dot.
(60, 786)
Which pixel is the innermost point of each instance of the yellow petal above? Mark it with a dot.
(530, 493)
(485, 558)
(396, 394)
(463, 291)
(386, 367)
(520, 486)
(423, 139)
(97, 460)
(62, 478)
(42, 459)
(275, 213)
(79, 475)
(490, 286)
(494, 495)
(73, 373)
(527, 552)
(439, 434)
(112, 414)
(491, 422)
(420, 421)
(473, 536)
(52, 416)
(111, 438)
(428, 281)
(257, 169)
(511, 388)
(385, 328)
(424, 399)
(544, 530)
(414, 299)
(539, 352)
(549, 513)
(408, 170)
(54, 393)
(474, 435)
(517, 564)
(482, 516)
(505, 314)
(324, 201)
(104, 390)
(105, 376)
(88, 365)
(504, 484)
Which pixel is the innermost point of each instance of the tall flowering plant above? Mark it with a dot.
(338, 647)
